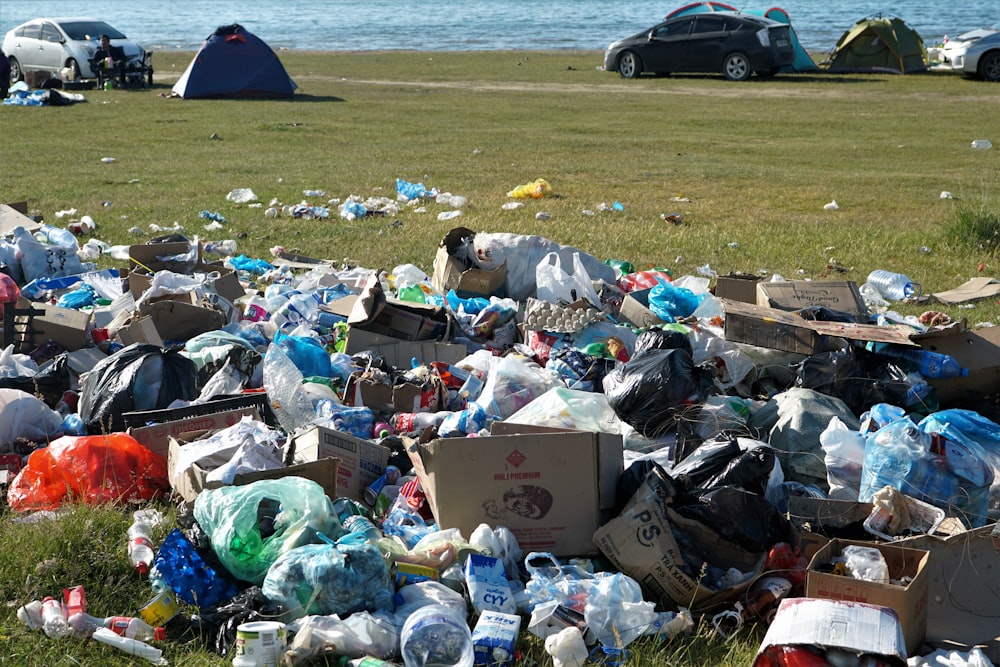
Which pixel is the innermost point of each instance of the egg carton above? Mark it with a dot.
(540, 315)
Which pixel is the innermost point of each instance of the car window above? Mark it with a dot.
(50, 34)
(33, 31)
(90, 30)
(710, 24)
(673, 29)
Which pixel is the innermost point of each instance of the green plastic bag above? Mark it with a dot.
(251, 525)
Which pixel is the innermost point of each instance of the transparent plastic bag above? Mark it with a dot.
(283, 380)
(866, 563)
(513, 383)
(360, 634)
(339, 577)
(560, 407)
(615, 611)
(250, 526)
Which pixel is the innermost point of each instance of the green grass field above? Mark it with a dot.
(754, 164)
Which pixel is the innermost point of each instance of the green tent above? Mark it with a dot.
(879, 44)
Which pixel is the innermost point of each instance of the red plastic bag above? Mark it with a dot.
(93, 469)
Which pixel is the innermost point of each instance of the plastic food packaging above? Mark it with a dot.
(436, 636)
(866, 564)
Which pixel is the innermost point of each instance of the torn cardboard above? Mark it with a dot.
(156, 437)
(11, 217)
(451, 273)
(361, 461)
(970, 290)
(373, 311)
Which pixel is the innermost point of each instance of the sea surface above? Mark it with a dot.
(468, 25)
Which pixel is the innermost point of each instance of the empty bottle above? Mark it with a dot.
(436, 635)
(405, 422)
(935, 365)
(56, 236)
(892, 286)
(982, 144)
(54, 621)
(140, 545)
(126, 626)
(226, 248)
(130, 646)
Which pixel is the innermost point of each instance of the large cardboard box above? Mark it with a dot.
(156, 437)
(375, 312)
(737, 287)
(403, 397)
(450, 273)
(978, 350)
(909, 600)
(65, 326)
(640, 542)
(786, 331)
(399, 353)
(176, 319)
(194, 480)
(361, 461)
(855, 627)
(551, 488)
(841, 296)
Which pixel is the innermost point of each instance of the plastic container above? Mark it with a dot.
(436, 636)
(54, 621)
(982, 144)
(130, 646)
(892, 286)
(260, 644)
(140, 545)
(126, 626)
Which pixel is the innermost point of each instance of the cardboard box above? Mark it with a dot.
(361, 461)
(782, 330)
(467, 281)
(841, 296)
(551, 488)
(737, 287)
(156, 437)
(193, 481)
(908, 600)
(175, 319)
(66, 326)
(225, 282)
(979, 351)
(855, 627)
(399, 353)
(451, 274)
(962, 610)
(635, 310)
(11, 217)
(640, 542)
(388, 399)
(375, 312)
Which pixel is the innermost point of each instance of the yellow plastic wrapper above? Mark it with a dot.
(534, 190)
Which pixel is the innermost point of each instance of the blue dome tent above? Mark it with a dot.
(234, 63)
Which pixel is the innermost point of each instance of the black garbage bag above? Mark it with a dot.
(654, 388)
(857, 377)
(707, 461)
(743, 518)
(662, 339)
(633, 477)
(138, 377)
(217, 625)
(49, 384)
(748, 471)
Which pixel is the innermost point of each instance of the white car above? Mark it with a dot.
(51, 44)
(982, 58)
(952, 53)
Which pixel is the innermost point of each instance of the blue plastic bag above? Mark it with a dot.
(669, 302)
(308, 355)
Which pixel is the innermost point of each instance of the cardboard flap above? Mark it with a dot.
(10, 218)
(971, 290)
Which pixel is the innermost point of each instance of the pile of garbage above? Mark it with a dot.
(400, 464)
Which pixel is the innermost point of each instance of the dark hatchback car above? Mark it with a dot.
(737, 45)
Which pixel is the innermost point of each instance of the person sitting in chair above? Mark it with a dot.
(109, 61)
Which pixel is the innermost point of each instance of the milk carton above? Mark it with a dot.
(494, 638)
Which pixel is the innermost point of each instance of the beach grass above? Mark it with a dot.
(747, 167)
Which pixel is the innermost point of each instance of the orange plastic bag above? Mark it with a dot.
(93, 469)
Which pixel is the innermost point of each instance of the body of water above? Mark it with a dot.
(464, 25)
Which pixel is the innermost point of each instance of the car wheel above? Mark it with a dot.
(736, 67)
(16, 73)
(629, 65)
(989, 66)
(74, 68)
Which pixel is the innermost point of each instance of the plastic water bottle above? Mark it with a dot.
(982, 144)
(54, 622)
(892, 286)
(935, 365)
(56, 236)
(126, 626)
(130, 646)
(435, 635)
(225, 248)
(405, 422)
(140, 545)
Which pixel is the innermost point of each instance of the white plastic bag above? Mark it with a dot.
(844, 455)
(513, 383)
(555, 284)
